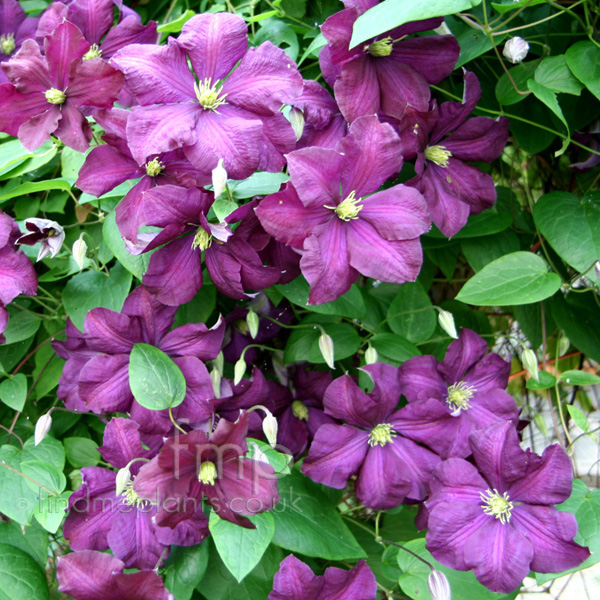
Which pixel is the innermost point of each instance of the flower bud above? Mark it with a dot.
(238, 370)
(219, 178)
(530, 362)
(515, 50)
(296, 118)
(252, 321)
(270, 428)
(564, 343)
(122, 479)
(371, 355)
(215, 378)
(326, 348)
(42, 427)
(597, 269)
(446, 321)
(439, 586)
(79, 251)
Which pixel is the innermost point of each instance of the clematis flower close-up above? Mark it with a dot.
(15, 28)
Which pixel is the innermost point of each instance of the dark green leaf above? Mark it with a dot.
(411, 313)
(13, 391)
(35, 186)
(393, 349)
(481, 251)
(185, 569)
(32, 540)
(548, 97)
(583, 58)
(21, 326)
(507, 5)
(554, 74)
(20, 576)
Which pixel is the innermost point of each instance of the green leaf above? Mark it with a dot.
(16, 160)
(176, 25)
(259, 184)
(394, 349)
(307, 522)
(13, 391)
(481, 251)
(35, 186)
(572, 227)
(32, 540)
(155, 380)
(50, 512)
(583, 58)
(20, 576)
(505, 90)
(554, 74)
(21, 326)
(48, 450)
(548, 97)
(17, 499)
(281, 34)
(241, 549)
(44, 474)
(472, 42)
(411, 313)
(92, 289)
(393, 13)
(71, 162)
(578, 417)
(314, 48)
(185, 569)
(280, 462)
(579, 378)
(81, 452)
(507, 5)
(547, 380)
(517, 278)
(136, 265)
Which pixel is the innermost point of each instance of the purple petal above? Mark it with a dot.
(419, 379)
(357, 89)
(28, 70)
(433, 56)
(34, 132)
(126, 33)
(187, 533)
(337, 30)
(358, 583)
(386, 389)
(195, 339)
(94, 83)
(456, 480)
(122, 443)
(111, 332)
(17, 275)
(63, 46)
(93, 17)
(479, 138)
(462, 354)
(73, 129)
(104, 383)
(345, 401)
(295, 581)
(154, 318)
(16, 109)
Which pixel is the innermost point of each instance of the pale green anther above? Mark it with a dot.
(438, 154)
(7, 43)
(459, 395)
(496, 505)
(300, 411)
(381, 47)
(154, 167)
(348, 209)
(202, 239)
(381, 435)
(130, 498)
(93, 52)
(209, 95)
(54, 96)
(208, 473)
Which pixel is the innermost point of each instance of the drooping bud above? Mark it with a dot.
(219, 179)
(564, 343)
(252, 321)
(515, 50)
(296, 119)
(42, 427)
(238, 370)
(79, 251)
(270, 428)
(530, 362)
(215, 378)
(371, 355)
(439, 586)
(446, 321)
(326, 348)
(54, 96)
(122, 479)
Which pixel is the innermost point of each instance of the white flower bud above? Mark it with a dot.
(238, 370)
(371, 355)
(270, 428)
(296, 118)
(79, 251)
(219, 178)
(122, 479)
(326, 348)
(42, 427)
(215, 377)
(515, 50)
(439, 586)
(530, 362)
(564, 343)
(252, 321)
(446, 321)
(597, 269)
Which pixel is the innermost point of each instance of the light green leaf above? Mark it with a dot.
(185, 569)
(20, 576)
(579, 378)
(44, 478)
(554, 74)
(517, 278)
(81, 452)
(547, 380)
(13, 391)
(505, 90)
(16, 160)
(177, 24)
(32, 540)
(50, 512)
(411, 313)
(583, 58)
(507, 5)
(17, 499)
(280, 462)
(35, 186)
(21, 326)
(578, 417)
(394, 349)
(259, 184)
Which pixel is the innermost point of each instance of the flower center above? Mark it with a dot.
(347, 209)
(131, 498)
(381, 435)
(7, 43)
(381, 47)
(154, 167)
(209, 95)
(459, 394)
(496, 505)
(438, 154)
(54, 96)
(300, 411)
(202, 239)
(93, 52)
(208, 473)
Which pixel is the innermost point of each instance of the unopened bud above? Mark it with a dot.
(258, 454)
(219, 178)
(238, 370)
(252, 321)
(597, 269)
(215, 378)
(122, 479)
(446, 321)
(530, 362)
(326, 348)
(42, 427)
(79, 251)
(439, 586)
(371, 355)
(564, 343)
(515, 50)
(296, 117)
(270, 428)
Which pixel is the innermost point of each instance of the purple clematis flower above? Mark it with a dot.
(500, 522)
(15, 28)
(17, 275)
(326, 212)
(386, 73)
(452, 188)
(229, 115)
(197, 465)
(451, 399)
(390, 467)
(48, 93)
(90, 575)
(295, 581)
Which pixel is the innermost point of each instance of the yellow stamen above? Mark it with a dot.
(300, 411)
(381, 47)
(202, 239)
(130, 498)
(459, 395)
(7, 43)
(208, 473)
(54, 96)
(438, 154)
(381, 435)
(209, 95)
(348, 209)
(154, 167)
(93, 52)
(496, 505)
